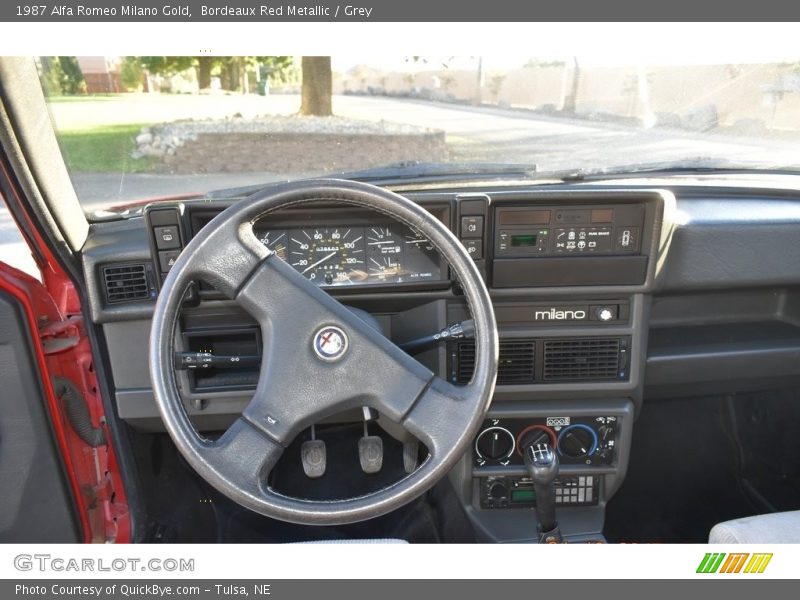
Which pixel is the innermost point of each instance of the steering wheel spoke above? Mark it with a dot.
(440, 415)
(320, 358)
(243, 454)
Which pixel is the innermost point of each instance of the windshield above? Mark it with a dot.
(138, 128)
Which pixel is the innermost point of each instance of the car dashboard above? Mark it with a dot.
(604, 295)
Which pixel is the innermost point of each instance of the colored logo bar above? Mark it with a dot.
(735, 562)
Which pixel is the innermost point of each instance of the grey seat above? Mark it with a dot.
(358, 541)
(774, 528)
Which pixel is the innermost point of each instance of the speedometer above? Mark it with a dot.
(329, 255)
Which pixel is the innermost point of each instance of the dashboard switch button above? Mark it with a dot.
(472, 227)
(167, 258)
(167, 238)
(474, 248)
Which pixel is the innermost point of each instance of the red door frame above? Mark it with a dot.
(62, 348)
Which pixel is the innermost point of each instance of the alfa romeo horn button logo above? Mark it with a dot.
(330, 343)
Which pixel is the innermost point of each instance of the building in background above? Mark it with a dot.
(101, 73)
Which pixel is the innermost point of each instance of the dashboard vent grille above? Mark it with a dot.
(516, 362)
(581, 359)
(125, 283)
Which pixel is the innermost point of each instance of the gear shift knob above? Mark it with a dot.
(542, 464)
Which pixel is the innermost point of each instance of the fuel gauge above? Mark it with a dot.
(275, 240)
(383, 241)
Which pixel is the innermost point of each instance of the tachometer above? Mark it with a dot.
(385, 269)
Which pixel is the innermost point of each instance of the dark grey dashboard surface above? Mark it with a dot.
(722, 292)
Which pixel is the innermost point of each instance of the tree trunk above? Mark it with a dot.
(245, 85)
(204, 72)
(235, 80)
(571, 101)
(225, 77)
(317, 86)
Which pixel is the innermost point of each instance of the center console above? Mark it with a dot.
(571, 277)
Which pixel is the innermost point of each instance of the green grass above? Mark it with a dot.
(103, 149)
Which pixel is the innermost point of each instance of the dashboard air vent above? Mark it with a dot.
(125, 283)
(516, 362)
(582, 359)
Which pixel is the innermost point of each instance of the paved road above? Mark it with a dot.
(473, 134)
(503, 135)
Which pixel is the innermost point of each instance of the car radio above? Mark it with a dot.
(518, 492)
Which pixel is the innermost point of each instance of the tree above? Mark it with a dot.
(496, 85)
(51, 76)
(62, 75)
(72, 81)
(166, 65)
(317, 86)
(131, 74)
(231, 70)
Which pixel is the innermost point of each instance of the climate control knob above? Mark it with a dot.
(577, 441)
(495, 443)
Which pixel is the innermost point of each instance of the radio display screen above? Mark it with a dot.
(524, 217)
(523, 240)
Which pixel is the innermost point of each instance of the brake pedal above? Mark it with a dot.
(314, 455)
(410, 456)
(370, 452)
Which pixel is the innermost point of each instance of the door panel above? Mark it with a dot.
(36, 504)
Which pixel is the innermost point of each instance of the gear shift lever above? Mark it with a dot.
(542, 463)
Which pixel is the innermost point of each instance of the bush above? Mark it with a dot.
(61, 75)
(131, 74)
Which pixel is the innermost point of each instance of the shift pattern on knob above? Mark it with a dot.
(542, 455)
(542, 463)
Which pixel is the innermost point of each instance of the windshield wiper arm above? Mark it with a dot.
(700, 164)
(425, 170)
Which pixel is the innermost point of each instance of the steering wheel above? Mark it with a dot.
(319, 359)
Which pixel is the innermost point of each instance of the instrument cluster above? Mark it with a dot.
(357, 255)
